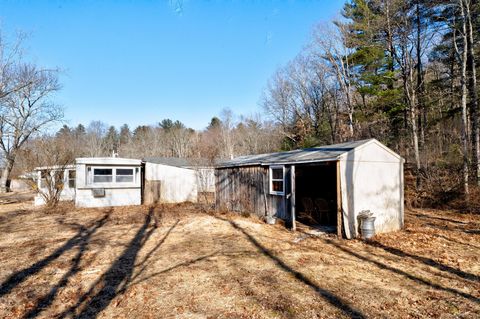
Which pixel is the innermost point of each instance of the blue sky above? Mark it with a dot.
(138, 62)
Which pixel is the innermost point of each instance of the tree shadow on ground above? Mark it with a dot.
(425, 216)
(325, 294)
(11, 215)
(118, 277)
(84, 240)
(450, 239)
(403, 273)
(425, 260)
(79, 238)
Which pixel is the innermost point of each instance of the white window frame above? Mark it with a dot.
(91, 169)
(129, 168)
(271, 180)
(69, 179)
(102, 167)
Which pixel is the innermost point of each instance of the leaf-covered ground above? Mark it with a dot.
(175, 261)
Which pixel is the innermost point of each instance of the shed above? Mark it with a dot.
(176, 180)
(323, 186)
(108, 181)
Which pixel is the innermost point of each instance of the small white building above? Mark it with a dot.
(176, 180)
(108, 181)
(45, 177)
(326, 186)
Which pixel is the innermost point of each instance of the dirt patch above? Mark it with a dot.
(175, 261)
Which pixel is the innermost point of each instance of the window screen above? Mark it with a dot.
(102, 175)
(124, 175)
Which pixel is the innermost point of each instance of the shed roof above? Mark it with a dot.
(178, 162)
(306, 155)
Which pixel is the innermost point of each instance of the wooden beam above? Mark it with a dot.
(292, 197)
(339, 202)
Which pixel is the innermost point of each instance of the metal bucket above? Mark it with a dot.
(367, 227)
(270, 220)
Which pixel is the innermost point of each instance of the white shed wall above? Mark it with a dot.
(372, 179)
(177, 184)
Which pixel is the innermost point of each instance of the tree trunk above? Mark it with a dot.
(420, 78)
(463, 91)
(5, 175)
(472, 89)
(416, 149)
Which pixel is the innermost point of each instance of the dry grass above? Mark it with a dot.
(174, 261)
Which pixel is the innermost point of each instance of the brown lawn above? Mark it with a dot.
(175, 261)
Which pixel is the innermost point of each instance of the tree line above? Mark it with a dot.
(401, 71)
(225, 137)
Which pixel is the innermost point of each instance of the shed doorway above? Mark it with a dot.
(316, 195)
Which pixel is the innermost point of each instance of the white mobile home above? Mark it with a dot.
(45, 177)
(113, 181)
(108, 181)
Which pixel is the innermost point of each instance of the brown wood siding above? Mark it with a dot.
(244, 189)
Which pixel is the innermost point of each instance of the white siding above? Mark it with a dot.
(177, 184)
(372, 179)
(113, 197)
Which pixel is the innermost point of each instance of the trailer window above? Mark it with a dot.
(71, 178)
(124, 175)
(43, 178)
(277, 180)
(102, 175)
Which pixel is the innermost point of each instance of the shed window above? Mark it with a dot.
(277, 180)
(124, 175)
(102, 175)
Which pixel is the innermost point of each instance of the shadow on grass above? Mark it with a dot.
(403, 273)
(325, 294)
(7, 217)
(83, 243)
(424, 216)
(117, 278)
(79, 239)
(426, 261)
(450, 239)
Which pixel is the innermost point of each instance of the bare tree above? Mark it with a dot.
(472, 88)
(52, 155)
(95, 142)
(331, 44)
(462, 57)
(25, 110)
